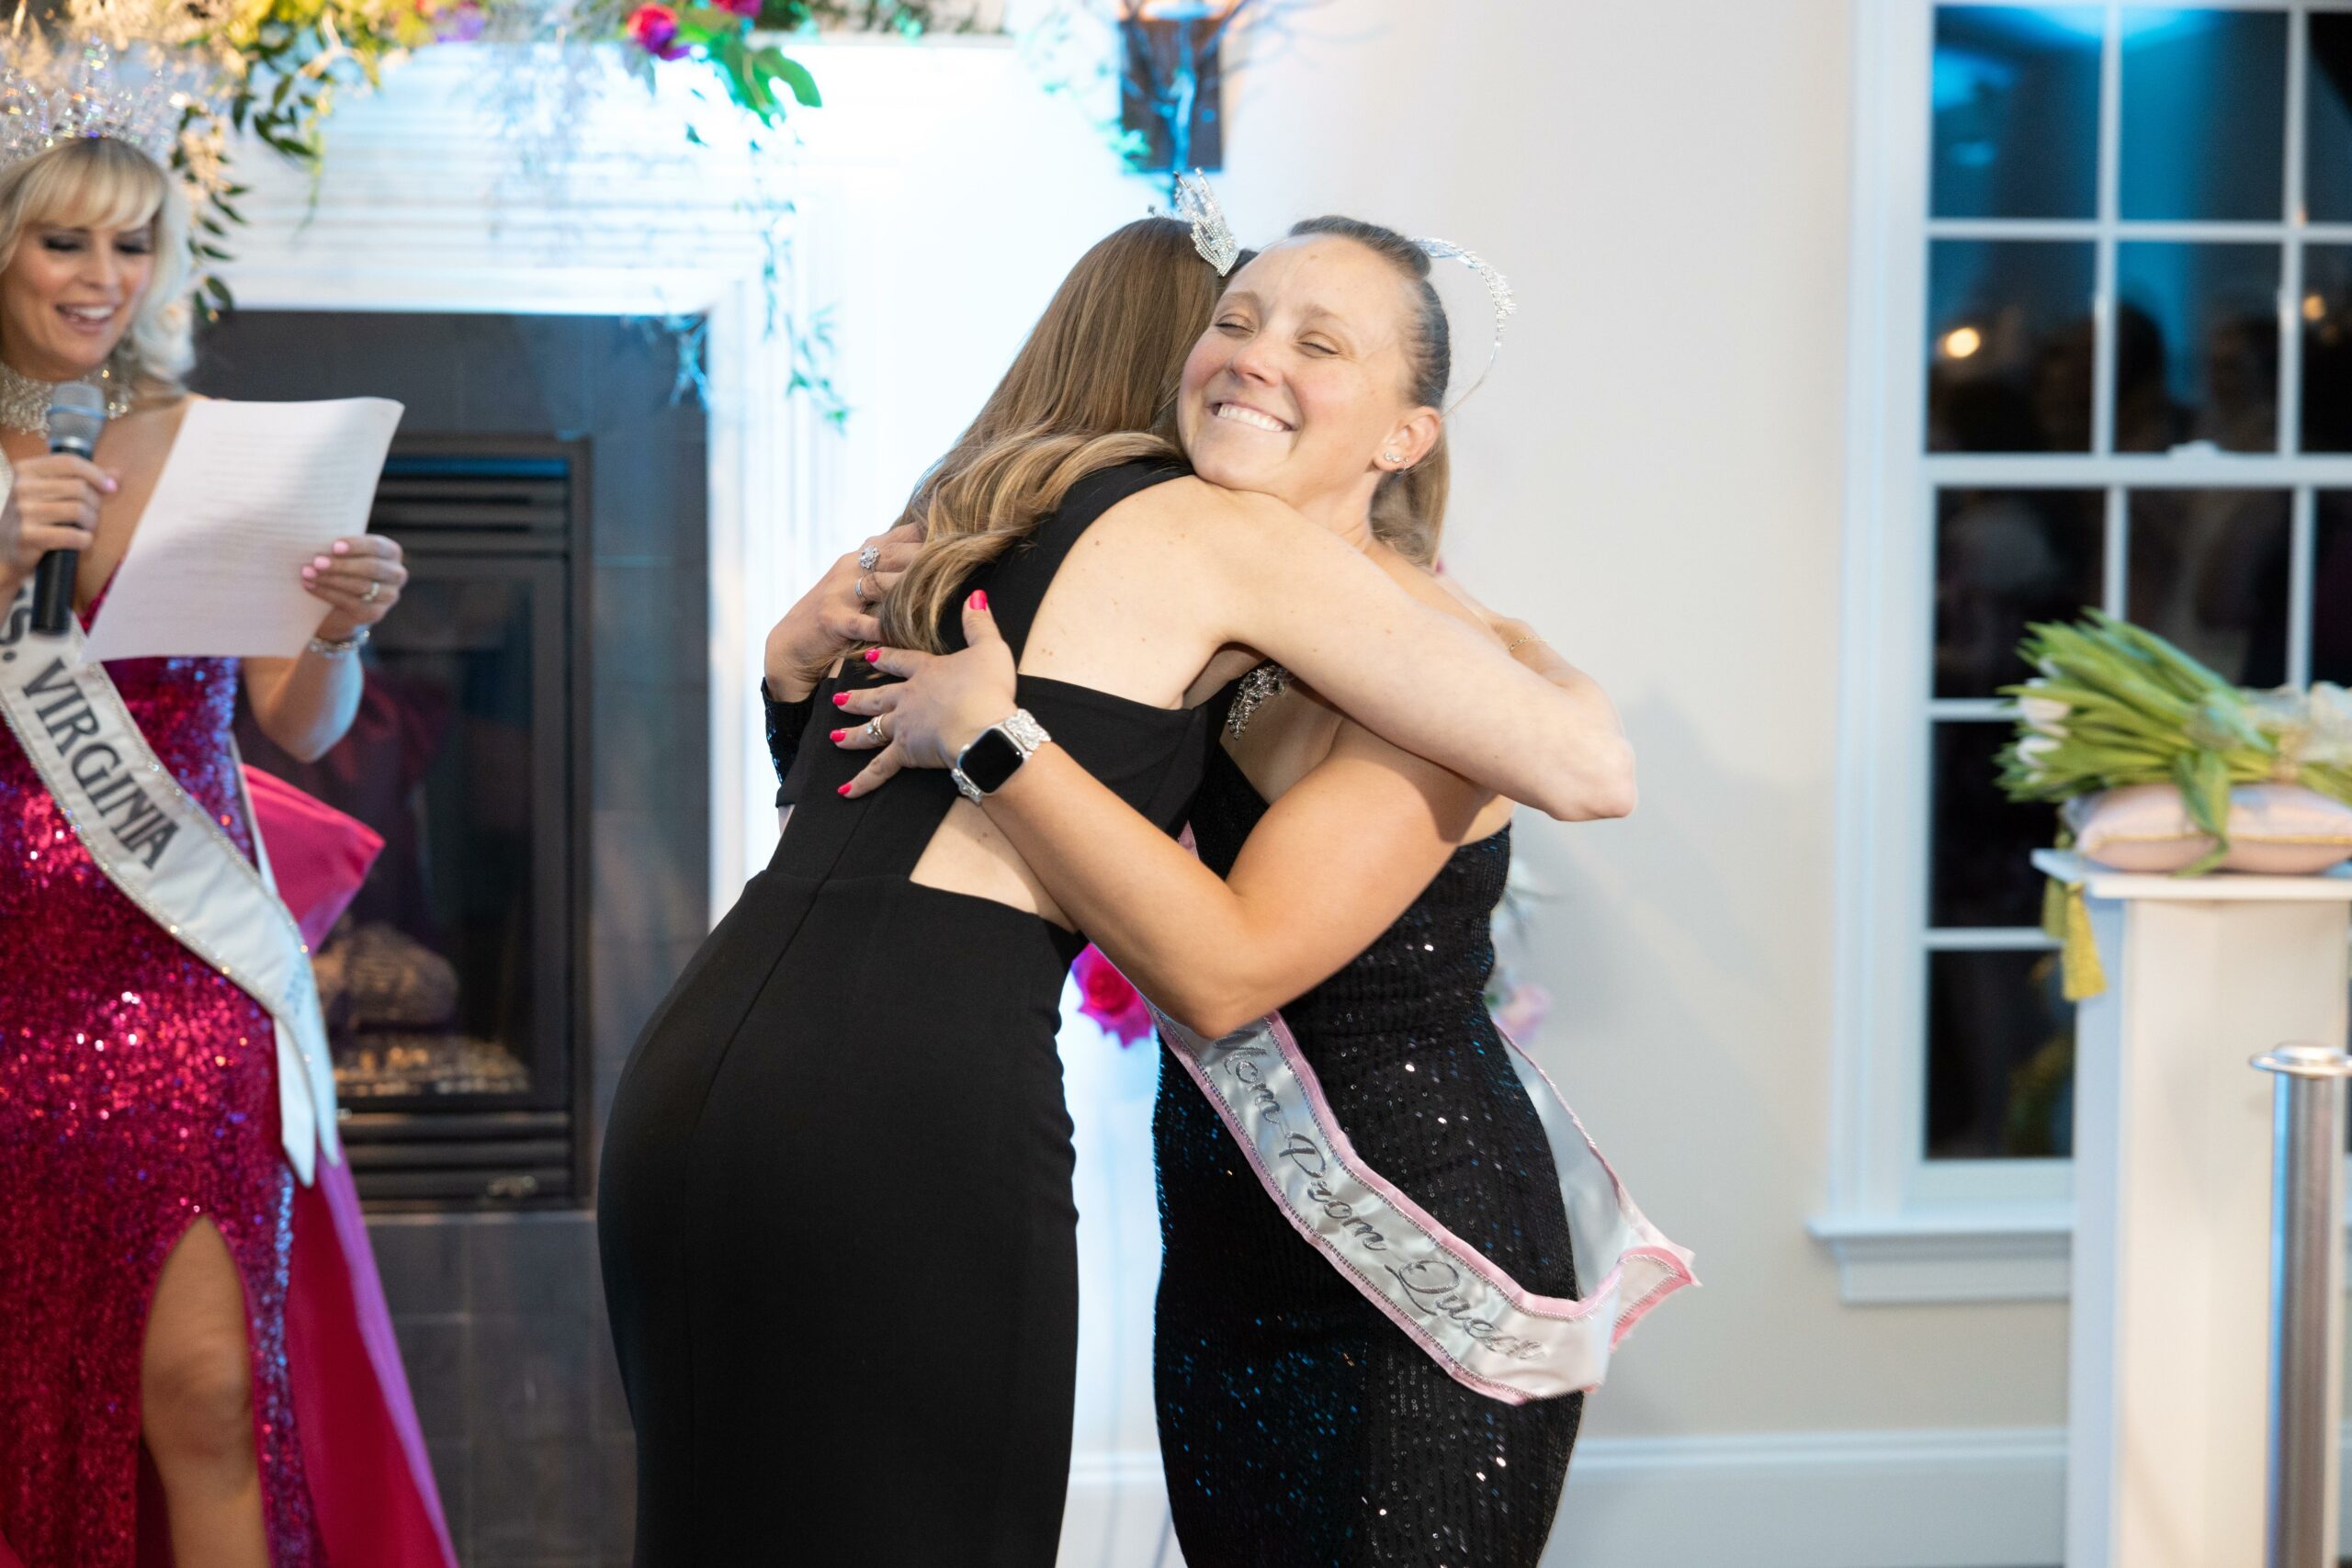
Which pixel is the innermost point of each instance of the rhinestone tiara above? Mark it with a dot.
(85, 87)
(1499, 292)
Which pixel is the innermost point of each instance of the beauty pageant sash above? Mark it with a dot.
(169, 857)
(1473, 1318)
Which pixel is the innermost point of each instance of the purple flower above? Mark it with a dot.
(655, 28)
(461, 23)
(1106, 997)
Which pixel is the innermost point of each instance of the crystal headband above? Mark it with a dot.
(1213, 237)
(88, 88)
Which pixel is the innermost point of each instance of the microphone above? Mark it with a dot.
(77, 411)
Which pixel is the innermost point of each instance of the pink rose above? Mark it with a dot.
(1105, 996)
(655, 28)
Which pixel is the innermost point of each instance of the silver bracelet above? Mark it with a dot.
(343, 649)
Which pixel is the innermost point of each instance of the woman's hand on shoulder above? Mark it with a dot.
(944, 700)
(837, 614)
(360, 578)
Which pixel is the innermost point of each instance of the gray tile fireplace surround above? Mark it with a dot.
(501, 1315)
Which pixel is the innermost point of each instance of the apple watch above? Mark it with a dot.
(996, 754)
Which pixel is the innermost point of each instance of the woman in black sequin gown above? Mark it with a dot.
(1299, 1426)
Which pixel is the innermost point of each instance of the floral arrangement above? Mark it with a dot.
(2115, 704)
(278, 66)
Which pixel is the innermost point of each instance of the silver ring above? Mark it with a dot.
(374, 589)
(869, 558)
(858, 587)
(874, 730)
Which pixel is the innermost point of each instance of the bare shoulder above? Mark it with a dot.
(1180, 531)
(1192, 508)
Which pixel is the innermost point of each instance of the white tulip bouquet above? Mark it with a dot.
(2115, 704)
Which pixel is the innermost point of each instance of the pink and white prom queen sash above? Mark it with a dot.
(168, 856)
(1473, 1319)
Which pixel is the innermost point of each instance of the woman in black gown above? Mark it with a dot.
(835, 1213)
(1299, 1427)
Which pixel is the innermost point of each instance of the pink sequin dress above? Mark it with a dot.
(138, 1095)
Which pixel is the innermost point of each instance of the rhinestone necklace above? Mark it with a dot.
(24, 403)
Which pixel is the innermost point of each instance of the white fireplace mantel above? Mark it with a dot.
(917, 221)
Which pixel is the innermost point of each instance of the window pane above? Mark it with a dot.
(2204, 114)
(2009, 345)
(2196, 347)
(2327, 122)
(2208, 568)
(2331, 590)
(2016, 112)
(1979, 871)
(2326, 317)
(2000, 1057)
(2004, 558)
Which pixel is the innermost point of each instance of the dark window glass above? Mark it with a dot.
(2204, 114)
(2004, 558)
(2208, 568)
(2009, 345)
(2326, 317)
(2017, 111)
(1981, 873)
(2196, 347)
(2000, 1057)
(2328, 119)
(2332, 588)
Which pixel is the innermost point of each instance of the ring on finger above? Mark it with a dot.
(869, 558)
(858, 587)
(874, 730)
(375, 591)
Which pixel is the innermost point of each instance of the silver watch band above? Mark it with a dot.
(1022, 728)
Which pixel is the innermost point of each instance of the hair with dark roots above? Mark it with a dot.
(1409, 509)
(1094, 386)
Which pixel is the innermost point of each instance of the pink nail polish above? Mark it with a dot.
(837, 736)
(840, 699)
(873, 655)
(980, 599)
(341, 548)
(844, 790)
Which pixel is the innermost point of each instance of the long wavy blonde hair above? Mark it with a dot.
(1094, 386)
(99, 183)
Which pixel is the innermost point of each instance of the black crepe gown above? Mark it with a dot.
(1298, 1427)
(838, 1240)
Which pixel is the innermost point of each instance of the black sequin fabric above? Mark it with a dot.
(1299, 1427)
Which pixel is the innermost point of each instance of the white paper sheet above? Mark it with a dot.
(249, 493)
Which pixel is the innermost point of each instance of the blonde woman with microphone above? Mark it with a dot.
(155, 1158)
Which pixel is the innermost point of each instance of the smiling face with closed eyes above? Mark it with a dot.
(82, 261)
(1299, 388)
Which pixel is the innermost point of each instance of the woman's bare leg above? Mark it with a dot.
(196, 1406)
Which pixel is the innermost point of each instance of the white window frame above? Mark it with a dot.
(1905, 1227)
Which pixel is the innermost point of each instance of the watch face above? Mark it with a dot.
(989, 760)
